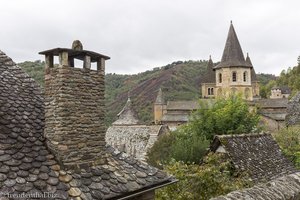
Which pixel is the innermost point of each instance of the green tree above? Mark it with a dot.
(225, 116)
(213, 178)
(289, 141)
(189, 142)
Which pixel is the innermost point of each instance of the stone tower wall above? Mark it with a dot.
(227, 85)
(74, 109)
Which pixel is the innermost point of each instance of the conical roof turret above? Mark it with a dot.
(210, 76)
(127, 116)
(253, 73)
(232, 55)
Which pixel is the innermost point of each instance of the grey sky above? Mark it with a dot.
(142, 34)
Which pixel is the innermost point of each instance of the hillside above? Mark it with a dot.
(179, 81)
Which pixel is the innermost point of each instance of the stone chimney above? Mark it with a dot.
(74, 106)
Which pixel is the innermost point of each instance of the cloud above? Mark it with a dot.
(140, 34)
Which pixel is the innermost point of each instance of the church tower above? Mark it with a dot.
(208, 84)
(234, 74)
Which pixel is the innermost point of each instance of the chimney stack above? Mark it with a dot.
(74, 106)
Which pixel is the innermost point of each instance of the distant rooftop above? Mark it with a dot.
(257, 154)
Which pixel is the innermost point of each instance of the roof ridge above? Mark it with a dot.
(242, 135)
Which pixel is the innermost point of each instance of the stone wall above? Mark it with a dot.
(293, 111)
(227, 86)
(74, 114)
(286, 187)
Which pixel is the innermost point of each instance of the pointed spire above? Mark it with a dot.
(210, 63)
(248, 60)
(232, 55)
(127, 116)
(160, 97)
(210, 76)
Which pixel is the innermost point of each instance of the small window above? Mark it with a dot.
(233, 76)
(245, 76)
(220, 78)
(210, 91)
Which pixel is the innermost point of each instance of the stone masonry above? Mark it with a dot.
(74, 101)
(293, 111)
(286, 187)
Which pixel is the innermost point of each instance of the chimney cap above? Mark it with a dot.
(76, 52)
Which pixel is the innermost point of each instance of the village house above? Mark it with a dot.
(260, 156)
(54, 144)
(280, 92)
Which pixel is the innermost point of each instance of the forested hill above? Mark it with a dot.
(179, 81)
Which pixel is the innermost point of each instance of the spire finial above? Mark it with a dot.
(209, 57)
(247, 54)
(230, 21)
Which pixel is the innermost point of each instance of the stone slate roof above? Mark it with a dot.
(26, 165)
(135, 140)
(284, 89)
(182, 105)
(285, 187)
(210, 76)
(232, 55)
(175, 117)
(271, 103)
(257, 154)
(127, 115)
(293, 111)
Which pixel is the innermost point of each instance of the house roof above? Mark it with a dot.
(232, 55)
(175, 118)
(26, 164)
(135, 139)
(271, 103)
(284, 89)
(182, 105)
(127, 115)
(257, 154)
(285, 187)
(210, 76)
(293, 111)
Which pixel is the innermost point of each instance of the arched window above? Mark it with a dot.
(210, 91)
(233, 76)
(245, 76)
(220, 78)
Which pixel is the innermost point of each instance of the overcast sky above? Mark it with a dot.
(142, 34)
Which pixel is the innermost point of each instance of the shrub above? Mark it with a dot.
(289, 141)
(215, 177)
